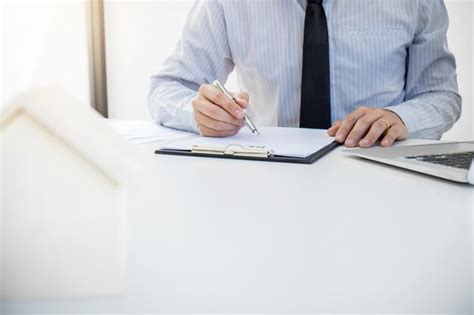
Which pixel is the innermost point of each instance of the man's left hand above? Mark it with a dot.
(365, 126)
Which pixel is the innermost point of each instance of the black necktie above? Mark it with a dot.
(315, 87)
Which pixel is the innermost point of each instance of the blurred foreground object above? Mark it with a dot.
(64, 175)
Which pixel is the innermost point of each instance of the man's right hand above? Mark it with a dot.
(216, 114)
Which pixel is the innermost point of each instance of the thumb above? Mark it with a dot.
(242, 99)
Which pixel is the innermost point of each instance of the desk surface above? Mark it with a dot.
(341, 235)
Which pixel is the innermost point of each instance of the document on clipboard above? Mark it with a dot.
(275, 144)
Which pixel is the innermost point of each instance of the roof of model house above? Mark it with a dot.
(78, 126)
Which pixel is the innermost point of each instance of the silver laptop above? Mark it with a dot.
(451, 161)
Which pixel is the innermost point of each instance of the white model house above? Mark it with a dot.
(64, 176)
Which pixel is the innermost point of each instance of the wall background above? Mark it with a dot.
(47, 43)
(461, 43)
(139, 37)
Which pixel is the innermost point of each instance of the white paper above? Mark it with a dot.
(292, 142)
(140, 132)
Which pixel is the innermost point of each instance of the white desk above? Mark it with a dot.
(341, 235)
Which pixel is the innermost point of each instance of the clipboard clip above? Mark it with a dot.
(233, 150)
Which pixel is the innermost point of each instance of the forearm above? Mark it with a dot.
(432, 102)
(201, 56)
(169, 102)
(429, 115)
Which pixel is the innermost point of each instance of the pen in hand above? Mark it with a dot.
(248, 122)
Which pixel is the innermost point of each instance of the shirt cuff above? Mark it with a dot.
(407, 114)
(188, 115)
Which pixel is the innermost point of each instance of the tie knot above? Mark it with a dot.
(316, 1)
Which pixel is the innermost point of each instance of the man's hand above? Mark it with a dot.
(365, 126)
(217, 115)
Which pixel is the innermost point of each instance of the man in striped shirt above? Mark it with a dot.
(390, 74)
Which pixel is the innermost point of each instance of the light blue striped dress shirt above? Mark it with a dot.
(383, 53)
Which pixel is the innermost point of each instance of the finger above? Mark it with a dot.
(215, 96)
(211, 123)
(362, 126)
(208, 132)
(396, 132)
(377, 130)
(333, 130)
(348, 123)
(242, 99)
(215, 112)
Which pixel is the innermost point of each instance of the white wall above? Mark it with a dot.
(45, 43)
(461, 42)
(141, 34)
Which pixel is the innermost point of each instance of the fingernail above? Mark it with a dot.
(364, 143)
(239, 113)
(350, 142)
(339, 138)
(385, 142)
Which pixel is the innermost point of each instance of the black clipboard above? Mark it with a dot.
(270, 158)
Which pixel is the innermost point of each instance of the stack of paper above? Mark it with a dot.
(140, 132)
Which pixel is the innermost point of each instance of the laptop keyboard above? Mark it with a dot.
(461, 160)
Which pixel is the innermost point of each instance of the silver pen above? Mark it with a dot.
(246, 118)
